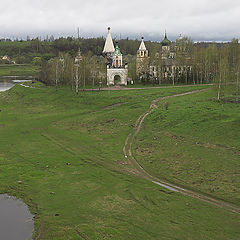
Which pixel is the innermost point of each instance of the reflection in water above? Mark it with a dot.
(7, 82)
(16, 222)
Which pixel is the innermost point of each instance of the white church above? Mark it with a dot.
(117, 74)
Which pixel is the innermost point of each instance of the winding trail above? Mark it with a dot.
(127, 150)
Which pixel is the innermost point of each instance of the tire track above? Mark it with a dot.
(127, 150)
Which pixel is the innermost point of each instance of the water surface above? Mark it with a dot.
(7, 82)
(16, 222)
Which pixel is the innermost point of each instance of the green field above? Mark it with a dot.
(195, 143)
(99, 196)
(18, 70)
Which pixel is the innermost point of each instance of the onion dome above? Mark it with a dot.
(165, 41)
(117, 51)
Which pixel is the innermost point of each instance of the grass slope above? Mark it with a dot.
(18, 70)
(194, 143)
(97, 196)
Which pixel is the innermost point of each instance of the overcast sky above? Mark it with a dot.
(207, 20)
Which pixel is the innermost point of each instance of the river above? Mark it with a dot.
(7, 82)
(16, 221)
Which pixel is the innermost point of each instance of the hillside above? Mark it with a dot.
(67, 151)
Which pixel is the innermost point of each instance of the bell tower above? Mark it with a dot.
(114, 62)
(142, 61)
(117, 58)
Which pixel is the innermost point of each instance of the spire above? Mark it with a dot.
(109, 47)
(165, 34)
(165, 41)
(142, 45)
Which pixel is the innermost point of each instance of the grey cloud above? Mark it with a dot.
(201, 20)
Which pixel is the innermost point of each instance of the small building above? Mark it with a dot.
(6, 58)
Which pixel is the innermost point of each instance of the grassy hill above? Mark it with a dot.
(195, 143)
(18, 70)
(66, 150)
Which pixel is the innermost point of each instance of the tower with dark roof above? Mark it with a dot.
(166, 43)
(142, 61)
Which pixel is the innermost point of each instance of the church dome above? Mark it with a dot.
(165, 41)
(117, 51)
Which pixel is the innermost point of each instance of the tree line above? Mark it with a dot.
(195, 63)
(25, 51)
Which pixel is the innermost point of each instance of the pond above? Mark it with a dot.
(16, 221)
(7, 82)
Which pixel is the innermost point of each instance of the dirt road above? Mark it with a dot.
(127, 150)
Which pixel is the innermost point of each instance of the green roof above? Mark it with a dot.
(165, 41)
(117, 51)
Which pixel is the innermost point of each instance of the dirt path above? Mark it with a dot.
(137, 168)
(118, 88)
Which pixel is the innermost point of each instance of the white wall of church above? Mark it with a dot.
(112, 72)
